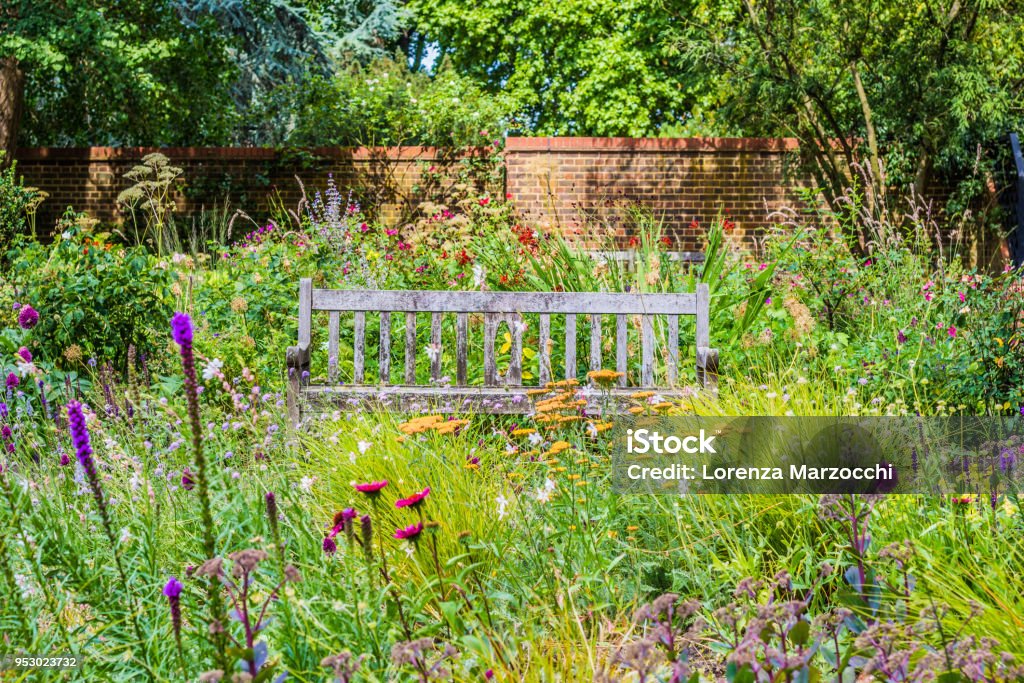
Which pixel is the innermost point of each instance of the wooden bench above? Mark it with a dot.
(500, 392)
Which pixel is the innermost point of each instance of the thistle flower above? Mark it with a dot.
(409, 533)
(414, 500)
(372, 488)
(28, 317)
(330, 547)
(12, 381)
(24, 354)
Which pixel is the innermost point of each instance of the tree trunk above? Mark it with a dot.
(12, 92)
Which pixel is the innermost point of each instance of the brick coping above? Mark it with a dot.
(512, 144)
(582, 144)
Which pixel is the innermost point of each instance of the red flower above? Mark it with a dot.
(464, 258)
(503, 279)
(667, 241)
(371, 488)
(728, 225)
(633, 241)
(694, 225)
(414, 500)
(409, 533)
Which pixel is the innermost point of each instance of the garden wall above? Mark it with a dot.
(554, 181)
(580, 183)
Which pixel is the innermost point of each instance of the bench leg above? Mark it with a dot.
(707, 368)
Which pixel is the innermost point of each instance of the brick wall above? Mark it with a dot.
(577, 184)
(388, 181)
(555, 182)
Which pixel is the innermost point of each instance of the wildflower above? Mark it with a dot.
(28, 317)
(409, 533)
(329, 546)
(73, 354)
(502, 502)
(951, 331)
(24, 354)
(212, 369)
(172, 590)
(900, 337)
(372, 488)
(414, 500)
(12, 381)
(604, 378)
(187, 482)
(341, 520)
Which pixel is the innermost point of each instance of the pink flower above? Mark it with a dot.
(962, 297)
(409, 533)
(414, 500)
(951, 331)
(24, 354)
(371, 488)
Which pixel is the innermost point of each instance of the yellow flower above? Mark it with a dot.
(640, 395)
(557, 447)
(612, 533)
(582, 482)
(573, 477)
(523, 431)
(604, 377)
(636, 410)
(632, 527)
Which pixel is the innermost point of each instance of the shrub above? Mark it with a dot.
(91, 293)
(17, 202)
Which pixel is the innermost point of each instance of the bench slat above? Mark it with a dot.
(385, 347)
(490, 366)
(570, 346)
(544, 341)
(515, 366)
(595, 341)
(435, 347)
(503, 302)
(647, 341)
(333, 332)
(305, 312)
(410, 348)
(358, 347)
(621, 348)
(461, 342)
(673, 349)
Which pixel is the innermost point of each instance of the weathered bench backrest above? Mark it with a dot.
(508, 307)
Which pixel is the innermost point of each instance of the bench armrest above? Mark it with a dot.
(707, 367)
(297, 359)
(297, 362)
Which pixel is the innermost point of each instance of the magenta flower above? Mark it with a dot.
(28, 317)
(187, 482)
(12, 381)
(172, 590)
(409, 533)
(900, 337)
(24, 354)
(330, 547)
(414, 500)
(341, 520)
(951, 331)
(371, 488)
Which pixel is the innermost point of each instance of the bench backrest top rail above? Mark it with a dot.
(503, 302)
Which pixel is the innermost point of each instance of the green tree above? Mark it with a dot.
(582, 67)
(882, 94)
(124, 72)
